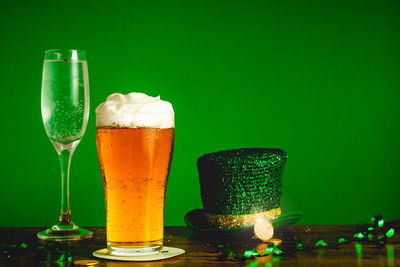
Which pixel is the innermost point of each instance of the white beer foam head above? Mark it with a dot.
(135, 110)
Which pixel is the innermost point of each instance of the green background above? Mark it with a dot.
(319, 79)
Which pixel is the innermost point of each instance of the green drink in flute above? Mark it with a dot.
(65, 112)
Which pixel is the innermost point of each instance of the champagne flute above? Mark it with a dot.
(65, 112)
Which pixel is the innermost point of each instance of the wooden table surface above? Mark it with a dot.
(20, 247)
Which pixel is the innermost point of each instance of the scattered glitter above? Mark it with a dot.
(233, 221)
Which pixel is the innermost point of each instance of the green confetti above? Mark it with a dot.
(268, 251)
(276, 250)
(299, 245)
(390, 233)
(320, 243)
(13, 246)
(250, 253)
(23, 245)
(378, 221)
(359, 235)
(62, 258)
(70, 259)
(342, 240)
(377, 233)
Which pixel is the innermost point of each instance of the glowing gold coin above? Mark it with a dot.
(263, 230)
(86, 262)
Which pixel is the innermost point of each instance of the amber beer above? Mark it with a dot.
(134, 164)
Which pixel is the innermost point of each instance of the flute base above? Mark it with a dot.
(65, 233)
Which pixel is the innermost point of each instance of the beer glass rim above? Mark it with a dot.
(65, 54)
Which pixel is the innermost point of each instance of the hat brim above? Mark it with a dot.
(196, 221)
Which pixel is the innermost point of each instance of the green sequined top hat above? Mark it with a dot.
(237, 187)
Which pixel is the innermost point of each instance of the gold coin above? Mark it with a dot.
(263, 229)
(86, 262)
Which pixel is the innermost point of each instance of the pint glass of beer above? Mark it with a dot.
(134, 138)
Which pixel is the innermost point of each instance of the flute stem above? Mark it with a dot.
(65, 152)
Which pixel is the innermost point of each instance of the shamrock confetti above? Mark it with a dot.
(341, 240)
(377, 233)
(320, 243)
